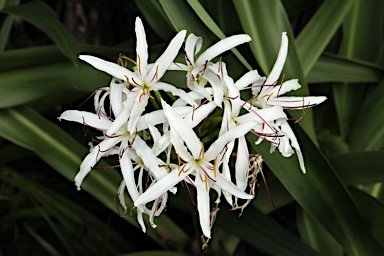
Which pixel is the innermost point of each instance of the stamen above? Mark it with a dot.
(139, 63)
(202, 150)
(157, 72)
(304, 111)
(206, 182)
(269, 96)
(181, 170)
(127, 78)
(214, 167)
(281, 84)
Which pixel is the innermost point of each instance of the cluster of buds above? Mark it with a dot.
(159, 147)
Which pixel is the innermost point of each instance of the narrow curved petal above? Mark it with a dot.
(192, 46)
(141, 102)
(247, 79)
(292, 102)
(242, 164)
(217, 146)
(162, 63)
(92, 120)
(110, 68)
(128, 174)
(222, 46)
(231, 188)
(287, 86)
(120, 119)
(141, 48)
(280, 61)
(203, 206)
(217, 86)
(148, 157)
(286, 128)
(93, 157)
(160, 187)
(175, 91)
(116, 97)
(183, 130)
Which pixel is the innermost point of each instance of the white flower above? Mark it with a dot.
(198, 71)
(198, 163)
(268, 92)
(144, 80)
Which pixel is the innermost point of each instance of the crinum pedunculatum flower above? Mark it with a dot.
(187, 135)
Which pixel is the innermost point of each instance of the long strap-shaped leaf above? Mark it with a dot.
(323, 196)
(263, 233)
(264, 21)
(319, 31)
(42, 16)
(29, 129)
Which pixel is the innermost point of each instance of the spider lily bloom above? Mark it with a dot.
(145, 79)
(198, 72)
(198, 163)
(268, 93)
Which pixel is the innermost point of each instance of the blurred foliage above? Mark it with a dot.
(336, 49)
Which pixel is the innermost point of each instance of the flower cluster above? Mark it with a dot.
(158, 148)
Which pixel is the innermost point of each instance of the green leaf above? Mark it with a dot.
(353, 168)
(182, 17)
(67, 214)
(30, 130)
(316, 236)
(211, 24)
(373, 211)
(264, 21)
(322, 195)
(263, 233)
(40, 240)
(367, 133)
(319, 31)
(42, 16)
(155, 253)
(359, 167)
(156, 18)
(362, 39)
(335, 68)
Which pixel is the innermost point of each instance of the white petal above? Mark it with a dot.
(141, 101)
(110, 68)
(203, 206)
(280, 61)
(192, 46)
(217, 86)
(249, 78)
(160, 187)
(120, 193)
(288, 130)
(217, 146)
(222, 46)
(128, 174)
(175, 91)
(287, 86)
(231, 188)
(93, 157)
(149, 159)
(183, 130)
(242, 164)
(120, 119)
(116, 97)
(162, 63)
(92, 120)
(141, 48)
(291, 102)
